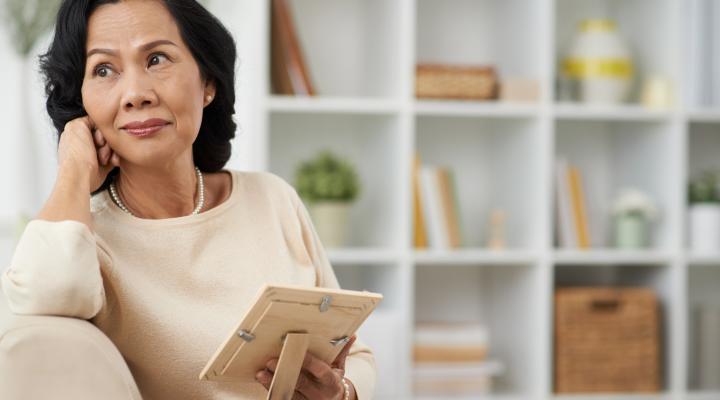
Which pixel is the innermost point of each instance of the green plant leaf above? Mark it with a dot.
(327, 177)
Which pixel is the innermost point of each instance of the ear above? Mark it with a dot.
(209, 92)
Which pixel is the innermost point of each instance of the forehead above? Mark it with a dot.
(131, 23)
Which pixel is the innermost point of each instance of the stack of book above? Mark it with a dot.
(289, 73)
(573, 224)
(451, 359)
(436, 219)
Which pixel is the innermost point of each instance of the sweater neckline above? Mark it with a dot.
(164, 222)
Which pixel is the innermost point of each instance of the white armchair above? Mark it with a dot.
(48, 357)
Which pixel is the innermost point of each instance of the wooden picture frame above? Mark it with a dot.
(287, 321)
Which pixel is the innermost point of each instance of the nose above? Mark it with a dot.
(139, 92)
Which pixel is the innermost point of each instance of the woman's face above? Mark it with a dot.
(137, 69)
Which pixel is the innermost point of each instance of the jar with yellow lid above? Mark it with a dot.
(599, 63)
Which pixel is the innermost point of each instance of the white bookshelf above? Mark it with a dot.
(361, 55)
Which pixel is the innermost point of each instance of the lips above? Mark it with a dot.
(145, 128)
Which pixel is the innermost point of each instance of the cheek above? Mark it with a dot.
(99, 106)
(185, 101)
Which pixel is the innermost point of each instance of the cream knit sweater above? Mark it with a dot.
(168, 291)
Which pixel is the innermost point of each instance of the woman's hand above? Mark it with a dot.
(84, 149)
(317, 380)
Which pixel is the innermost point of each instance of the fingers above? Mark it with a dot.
(106, 156)
(316, 380)
(320, 370)
(299, 396)
(98, 138)
(340, 359)
(304, 388)
(264, 377)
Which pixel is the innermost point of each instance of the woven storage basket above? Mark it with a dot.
(606, 340)
(455, 82)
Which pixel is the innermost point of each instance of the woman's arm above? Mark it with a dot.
(70, 198)
(55, 268)
(55, 271)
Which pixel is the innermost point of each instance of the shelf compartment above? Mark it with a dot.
(703, 142)
(703, 296)
(489, 158)
(612, 155)
(375, 216)
(658, 277)
(466, 32)
(350, 47)
(498, 297)
(649, 27)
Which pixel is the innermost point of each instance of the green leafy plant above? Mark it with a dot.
(327, 178)
(28, 20)
(704, 188)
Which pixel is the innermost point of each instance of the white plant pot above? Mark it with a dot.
(704, 228)
(330, 220)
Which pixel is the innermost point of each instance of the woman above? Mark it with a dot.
(170, 249)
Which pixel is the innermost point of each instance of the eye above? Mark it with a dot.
(156, 58)
(102, 70)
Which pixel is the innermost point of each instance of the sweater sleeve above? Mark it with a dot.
(360, 366)
(55, 271)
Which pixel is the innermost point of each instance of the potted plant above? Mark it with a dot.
(633, 211)
(329, 185)
(704, 213)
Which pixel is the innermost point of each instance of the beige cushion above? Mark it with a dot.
(48, 357)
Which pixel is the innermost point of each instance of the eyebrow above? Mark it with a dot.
(145, 47)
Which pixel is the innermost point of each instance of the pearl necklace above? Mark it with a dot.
(200, 189)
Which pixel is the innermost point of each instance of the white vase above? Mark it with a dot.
(330, 221)
(704, 228)
(599, 63)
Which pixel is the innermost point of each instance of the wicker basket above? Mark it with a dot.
(606, 340)
(456, 82)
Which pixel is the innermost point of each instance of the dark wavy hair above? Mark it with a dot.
(210, 43)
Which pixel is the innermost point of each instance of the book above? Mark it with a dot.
(454, 188)
(420, 232)
(280, 79)
(448, 203)
(565, 228)
(432, 211)
(290, 75)
(582, 232)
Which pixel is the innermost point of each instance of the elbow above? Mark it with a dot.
(33, 295)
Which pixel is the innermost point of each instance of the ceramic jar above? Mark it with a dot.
(599, 63)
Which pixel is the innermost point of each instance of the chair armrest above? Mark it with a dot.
(44, 357)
